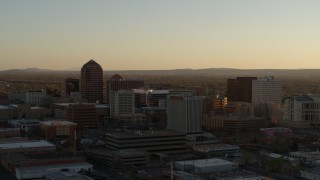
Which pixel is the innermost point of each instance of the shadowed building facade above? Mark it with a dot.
(117, 83)
(91, 83)
(85, 115)
(240, 89)
(71, 85)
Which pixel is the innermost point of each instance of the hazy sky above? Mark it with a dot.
(160, 34)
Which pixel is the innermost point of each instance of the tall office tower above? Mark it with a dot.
(240, 89)
(122, 103)
(157, 98)
(72, 85)
(140, 96)
(267, 90)
(116, 83)
(185, 113)
(85, 115)
(183, 92)
(91, 83)
(219, 104)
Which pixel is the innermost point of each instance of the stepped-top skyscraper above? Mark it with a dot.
(91, 83)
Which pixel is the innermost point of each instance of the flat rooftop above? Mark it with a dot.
(98, 106)
(212, 147)
(312, 153)
(9, 129)
(206, 162)
(41, 168)
(66, 176)
(154, 108)
(149, 133)
(125, 152)
(159, 91)
(58, 123)
(313, 171)
(25, 144)
(3, 107)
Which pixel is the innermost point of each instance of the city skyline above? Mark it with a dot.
(160, 35)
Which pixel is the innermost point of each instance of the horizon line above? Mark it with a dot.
(75, 69)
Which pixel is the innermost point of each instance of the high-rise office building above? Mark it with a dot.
(72, 85)
(240, 89)
(266, 90)
(185, 113)
(219, 104)
(122, 103)
(116, 83)
(157, 98)
(91, 83)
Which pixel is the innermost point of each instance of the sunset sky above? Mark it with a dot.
(160, 34)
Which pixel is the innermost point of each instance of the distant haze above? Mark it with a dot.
(211, 72)
(164, 34)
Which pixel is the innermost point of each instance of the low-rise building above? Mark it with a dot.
(243, 123)
(206, 165)
(58, 129)
(301, 112)
(31, 146)
(162, 141)
(25, 125)
(306, 157)
(121, 158)
(36, 167)
(310, 174)
(201, 138)
(7, 112)
(9, 132)
(217, 149)
(279, 131)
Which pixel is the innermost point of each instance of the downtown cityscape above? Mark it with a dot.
(90, 127)
(155, 90)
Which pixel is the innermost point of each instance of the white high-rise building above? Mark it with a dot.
(185, 113)
(266, 90)
(122, 103)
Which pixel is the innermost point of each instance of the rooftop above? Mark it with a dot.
(302, 98)
(42, 168)
(116, 77)
(3, 107)
(206, 162)
(91, 62)
(98, 106)
(58, 123)
(138, 133)
(24, 121)
(214, 147)
(159, 91)
(66, 176)
(25, 144)
(9, 129)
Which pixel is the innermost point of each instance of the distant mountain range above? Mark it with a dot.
(229, 72)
